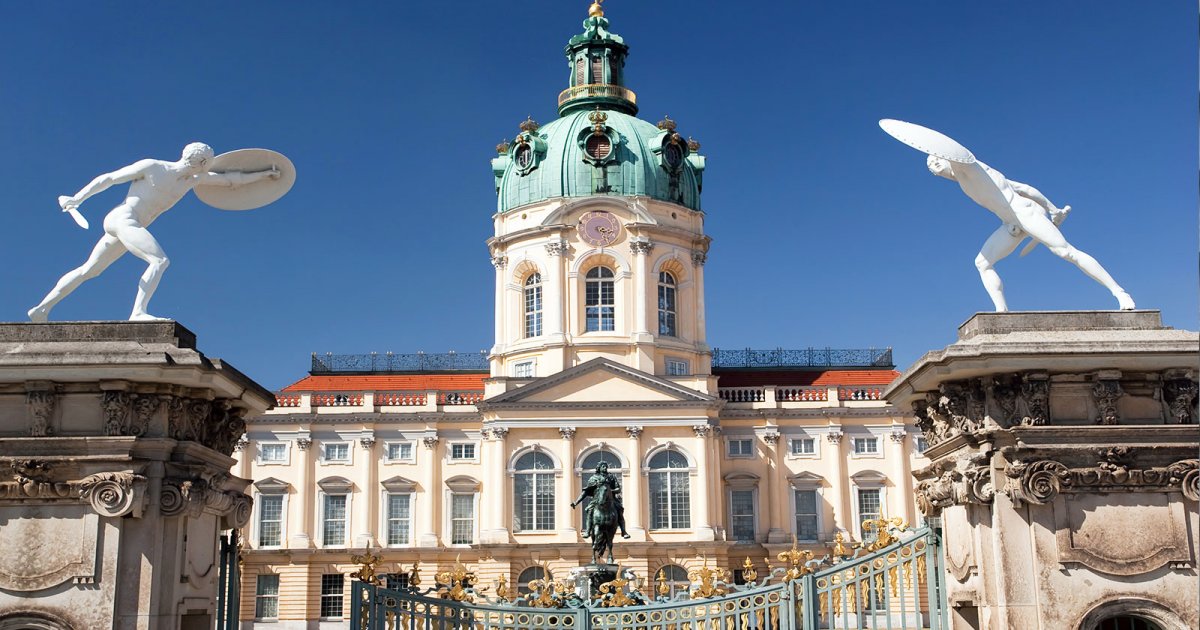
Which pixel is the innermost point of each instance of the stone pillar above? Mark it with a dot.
(700, 496)
(119, 436)
(564, 513)
(901, 475)
(554, 290)
(500, 261)
(699, 257)
(774, 475)
(370, 493)
(299, 536)
(429, 500)
(635, 511)
(840, 483)
(643, 286)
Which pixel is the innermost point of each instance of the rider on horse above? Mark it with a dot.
(601, 478)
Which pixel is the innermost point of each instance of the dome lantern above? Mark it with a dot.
(597, 61)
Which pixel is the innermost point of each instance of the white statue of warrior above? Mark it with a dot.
(1022, 208)
(154, 187)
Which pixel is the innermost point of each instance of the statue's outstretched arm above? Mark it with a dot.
(233, 179)
(137, 170)
(1034, 195)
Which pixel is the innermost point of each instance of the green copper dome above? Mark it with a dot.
(597, 146)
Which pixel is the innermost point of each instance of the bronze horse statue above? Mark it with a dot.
(603, 507)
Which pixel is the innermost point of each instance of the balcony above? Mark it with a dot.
(798, 396)
(376, 402)
(391, 363)
(803, 358)
(583, 95)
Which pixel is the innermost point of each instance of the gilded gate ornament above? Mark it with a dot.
(368, 564)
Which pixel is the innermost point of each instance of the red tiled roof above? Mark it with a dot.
(388, 383)
(754, 378)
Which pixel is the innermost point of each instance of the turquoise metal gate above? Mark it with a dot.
(895, 583)
(228, 582)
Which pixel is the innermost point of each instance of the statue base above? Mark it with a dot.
(588, 578)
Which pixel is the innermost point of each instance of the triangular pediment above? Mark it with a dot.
(600, 381)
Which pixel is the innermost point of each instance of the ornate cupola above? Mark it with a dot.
(597, 62)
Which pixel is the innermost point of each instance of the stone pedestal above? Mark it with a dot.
(1064, 449)
(588, 578)
(115, 443)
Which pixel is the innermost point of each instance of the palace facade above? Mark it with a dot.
(600, 355)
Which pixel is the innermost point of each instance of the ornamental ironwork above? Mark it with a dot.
(389, 362)
(807, 357)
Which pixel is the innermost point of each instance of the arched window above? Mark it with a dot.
(533, 488)
(533, 305)
(600, 299)
(675, 577)
(1127, 622)
(666, 304)
(529, 575)
(670, 500)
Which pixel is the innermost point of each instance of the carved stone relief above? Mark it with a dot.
(41, 403)
(967, 479)
(1180, 397)
(1106, 392)
(1041, 481)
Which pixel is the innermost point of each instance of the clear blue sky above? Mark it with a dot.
(826, 231)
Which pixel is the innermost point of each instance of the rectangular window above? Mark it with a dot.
(399, 451)
(806, 515)
(272, 453)
(921, 444)
(266, 597)
(866, 446)
(533, 306)
(678, 367)
(335, 452)
(598, 69)
(803, 446)
(333, 586)
(741, 515)
(462, 519)
(462, 450)
(741, 447)
(869, 507)
(399, 518)
(670, 503)
(333, 525)
(524, 369)
(600, 301)
(396, 581)
(270, 520)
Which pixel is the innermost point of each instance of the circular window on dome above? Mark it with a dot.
(524, 156)
(598, 146)
(673, 155)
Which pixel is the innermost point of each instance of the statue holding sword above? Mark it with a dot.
(1021, 208)
(154, 187)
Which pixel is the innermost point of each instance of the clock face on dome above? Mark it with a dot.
(599, 228)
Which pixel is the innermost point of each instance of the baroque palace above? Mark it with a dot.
(724, 458)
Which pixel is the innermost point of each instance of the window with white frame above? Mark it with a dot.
(866, 446)
(399, 451)
(529, 575)
(920, 444)
(335, 452)
(462, 518)
(333, 519)
(533, 490)
(741, 515)
(676, 579)
(666, 304)
(600, 304)
(670, 498)
(266, 596)
(270, 520)
(525, 369)
(399, 518)
(740, 447)
(333, 591)
(802, 446)
(272, 453)
(533, 305)
(678, 367)
(870, 506)
(807, 521)
(462, 451)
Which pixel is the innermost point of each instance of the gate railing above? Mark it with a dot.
(228, 582)
(895, 584)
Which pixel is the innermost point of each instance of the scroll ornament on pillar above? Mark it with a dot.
(114, 494)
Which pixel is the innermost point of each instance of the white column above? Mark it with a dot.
(840, 483)
(563, 511)
(493, 529)
(554, 290)
(368, 522)
(298, 536)
(901, 479)
(703, 519)
(635, 513)
(698, 259)
(642, 286)
(775, 534)
(501, 263)
(428, 503)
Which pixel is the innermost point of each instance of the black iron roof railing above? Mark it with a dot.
(807, 357)
(330, 363)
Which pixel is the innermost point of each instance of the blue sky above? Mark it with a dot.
(826, 231)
